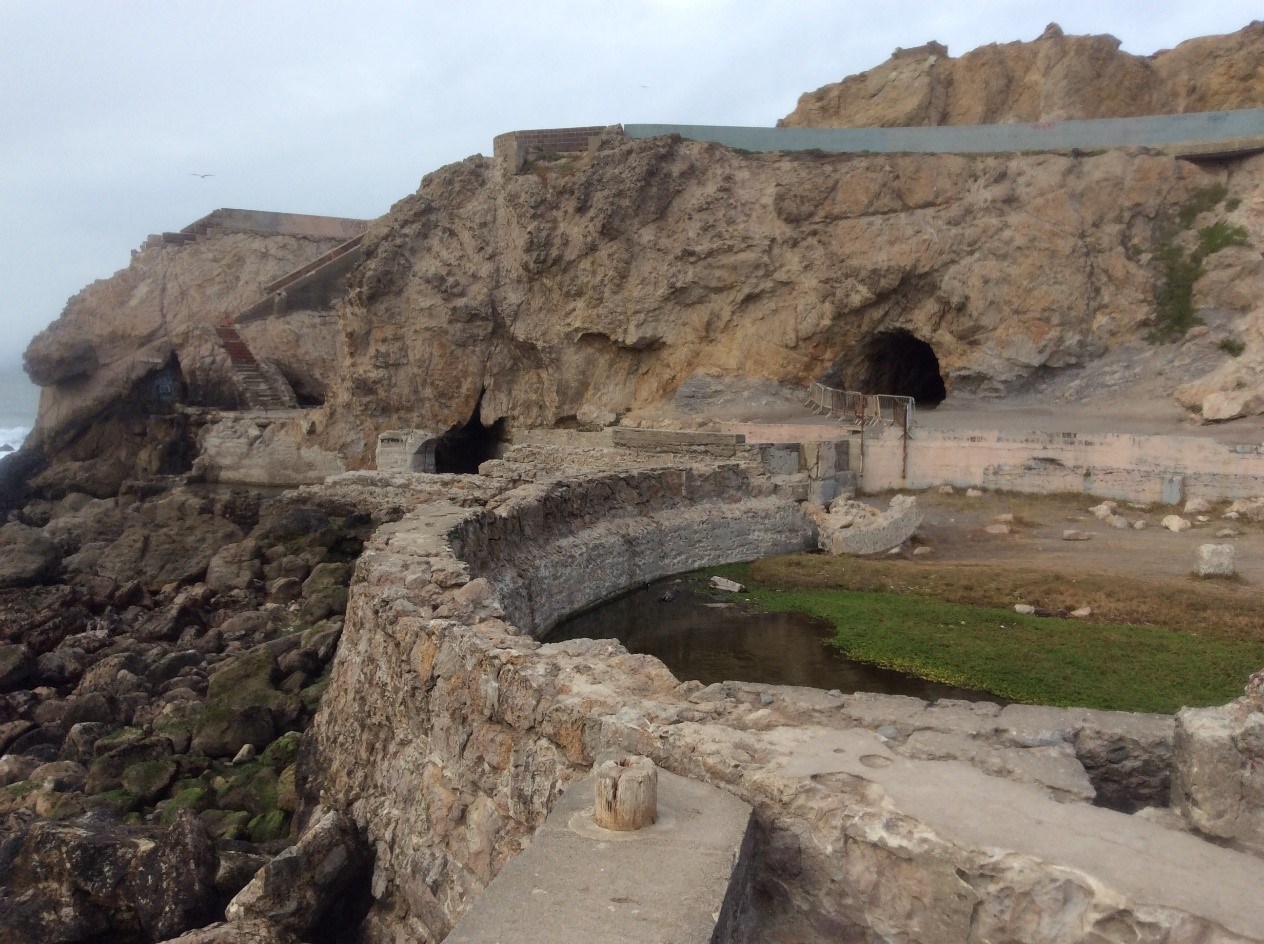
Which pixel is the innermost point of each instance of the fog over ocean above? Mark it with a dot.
(19, 401)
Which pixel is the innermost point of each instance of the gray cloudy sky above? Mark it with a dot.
(313, 106)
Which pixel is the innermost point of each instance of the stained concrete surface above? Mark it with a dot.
(1147, 863)
(671, 883)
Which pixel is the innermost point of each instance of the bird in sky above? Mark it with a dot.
(201, 175)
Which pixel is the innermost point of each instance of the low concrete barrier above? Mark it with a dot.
(1207, 134)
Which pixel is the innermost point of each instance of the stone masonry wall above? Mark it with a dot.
(447, 733)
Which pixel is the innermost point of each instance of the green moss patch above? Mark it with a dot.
(1030, 659)
(268, 827)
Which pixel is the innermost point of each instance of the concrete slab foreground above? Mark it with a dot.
(680, 881)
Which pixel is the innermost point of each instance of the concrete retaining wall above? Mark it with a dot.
(1167, 469)
(632, 529)
(1206, 134)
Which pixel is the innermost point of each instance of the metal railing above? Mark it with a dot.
(862, 410)
(866, 411)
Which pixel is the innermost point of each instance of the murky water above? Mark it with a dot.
(710, 636)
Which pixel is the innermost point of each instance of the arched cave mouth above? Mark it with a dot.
(897, 362)
(464, 448)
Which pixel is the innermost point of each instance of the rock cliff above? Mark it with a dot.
(1053, 77)
(150, 328)
(606, 285)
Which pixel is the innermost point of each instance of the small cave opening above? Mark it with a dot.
(464, 448)
(897, 362)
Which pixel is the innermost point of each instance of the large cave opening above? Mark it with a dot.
(897, 362)
(464, 448)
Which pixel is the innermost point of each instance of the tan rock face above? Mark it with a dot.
(606, 289)
(1053, 77)
(120, 330)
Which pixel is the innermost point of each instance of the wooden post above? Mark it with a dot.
(627, 794)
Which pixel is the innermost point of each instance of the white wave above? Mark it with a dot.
(12, 437)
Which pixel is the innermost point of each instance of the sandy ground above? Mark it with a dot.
(954, 527)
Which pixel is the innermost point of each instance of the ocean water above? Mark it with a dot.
(19, 402)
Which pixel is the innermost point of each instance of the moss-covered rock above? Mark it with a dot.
(254, 790)
(150, 779)
(120, 802)
(268, 827)
(282, 752)
(226, 824)
(191, 798)
(287, 793)
(311, 695)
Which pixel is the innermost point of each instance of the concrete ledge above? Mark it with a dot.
(685, 879)
(674, 440)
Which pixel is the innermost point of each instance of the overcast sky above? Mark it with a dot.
(108, 107)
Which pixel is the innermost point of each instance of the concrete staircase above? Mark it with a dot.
(313, 285)
(260, 389)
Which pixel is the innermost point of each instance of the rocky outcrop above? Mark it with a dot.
(602, 290)
(157, 681)
(297, 890)
(1218, 769)
(1052, 77)
(92, 881)
(147, 333)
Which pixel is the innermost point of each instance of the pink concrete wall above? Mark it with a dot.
(1112, 465)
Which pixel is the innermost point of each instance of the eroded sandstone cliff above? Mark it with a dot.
(148, 332)
(601, 287)
(1053, 77)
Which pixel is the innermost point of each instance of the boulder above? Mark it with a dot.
(1252, 509)
(1074, 534)
(234, 566)
(96, 880)
(237, 932)
(1103, 511)
(29, 557)
(855, 528)
(225, 733)
(1197, 506)
(17, 667)
(107, 771)
(179, 553)
(59, 775)
(1230, 404)
(1176, 523)
(1215, 560)
(301, 884)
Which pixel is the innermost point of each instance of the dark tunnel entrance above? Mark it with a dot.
(899, 363)
(464, 448)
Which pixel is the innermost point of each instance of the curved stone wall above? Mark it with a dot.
(447, 733)
(553, 550)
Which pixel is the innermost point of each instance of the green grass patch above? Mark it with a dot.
(1033, 659)
(1232, 346)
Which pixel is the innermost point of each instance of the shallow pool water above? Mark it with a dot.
(712, 636)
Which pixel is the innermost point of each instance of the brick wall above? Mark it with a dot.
(515, 148)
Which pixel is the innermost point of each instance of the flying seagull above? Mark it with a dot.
(201, 175)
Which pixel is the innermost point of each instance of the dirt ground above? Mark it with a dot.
(954, 527)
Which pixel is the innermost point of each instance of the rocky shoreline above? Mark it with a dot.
(160, 659)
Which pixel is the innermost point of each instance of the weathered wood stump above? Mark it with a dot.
(627, 794)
